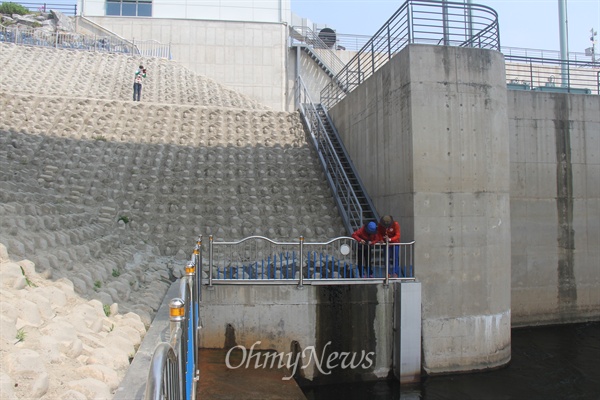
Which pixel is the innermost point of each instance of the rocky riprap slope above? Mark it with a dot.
(106, 196)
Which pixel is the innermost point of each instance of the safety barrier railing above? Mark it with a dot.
(304, 36)
(67, 9)
(353, 43)
(348, 203)
(258, 260)
(174, 369)
(416, 21)
(552, 75)
(75, 41)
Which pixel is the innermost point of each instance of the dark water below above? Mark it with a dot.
(552, 362)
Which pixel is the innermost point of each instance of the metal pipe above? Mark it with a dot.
(446, 28)
(564, 45)
(301, 280)
(297, 76)
(210, 260)
(470, 21)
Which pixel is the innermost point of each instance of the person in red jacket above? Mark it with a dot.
(388, 229)
(366, 236)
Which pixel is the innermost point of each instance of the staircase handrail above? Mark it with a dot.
(304, 36)
(349, 204)
(416, 21)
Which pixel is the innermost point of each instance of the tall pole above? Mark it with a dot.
(470, 21)
(445, 23)
(564, 45)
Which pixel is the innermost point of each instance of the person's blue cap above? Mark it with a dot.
(371, 228)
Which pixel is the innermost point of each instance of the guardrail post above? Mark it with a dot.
(386, 282)
(301, 280)
(176, 317)
(389, 43)
(210, 260)
(192, 348)
(198, 255)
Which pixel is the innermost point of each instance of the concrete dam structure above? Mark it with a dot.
(498, 188)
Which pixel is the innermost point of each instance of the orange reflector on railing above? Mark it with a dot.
(190, 269)
(176, 309)
(177, 312)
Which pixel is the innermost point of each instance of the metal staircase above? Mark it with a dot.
(310, 42)
(354, 204)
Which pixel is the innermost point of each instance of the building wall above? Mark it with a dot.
(313, 76)
(222, 10)
(248, 57)
(555, 207)
(428, 135)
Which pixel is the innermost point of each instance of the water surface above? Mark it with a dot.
(552, 362)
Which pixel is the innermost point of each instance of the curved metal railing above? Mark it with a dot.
(258, 260)
(416, 21)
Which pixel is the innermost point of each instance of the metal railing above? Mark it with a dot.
(341, 185)
(416, 21)
(258, 260)
(67, 9)
(304, 36)
(75, 41)
(353, 43)
(552, 75)
(543, 54)
(174, 368)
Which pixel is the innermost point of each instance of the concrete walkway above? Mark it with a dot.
(218, 382)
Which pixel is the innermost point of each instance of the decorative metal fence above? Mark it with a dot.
(260, 260)
(416, 21)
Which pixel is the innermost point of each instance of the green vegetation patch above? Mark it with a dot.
(13, 8)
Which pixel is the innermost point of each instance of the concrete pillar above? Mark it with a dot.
(428, 134)
(462, 206)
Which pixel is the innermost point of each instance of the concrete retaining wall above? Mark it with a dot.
(355, 318)
(428, 135)
(555, 207)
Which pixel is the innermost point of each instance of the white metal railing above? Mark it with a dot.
(258, 260)
(75, 41)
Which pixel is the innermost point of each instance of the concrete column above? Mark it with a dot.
(462, 205)
(428, 134)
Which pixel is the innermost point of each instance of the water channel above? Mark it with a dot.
(550, 362)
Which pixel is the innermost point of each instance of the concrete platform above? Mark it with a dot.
(218, 382)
